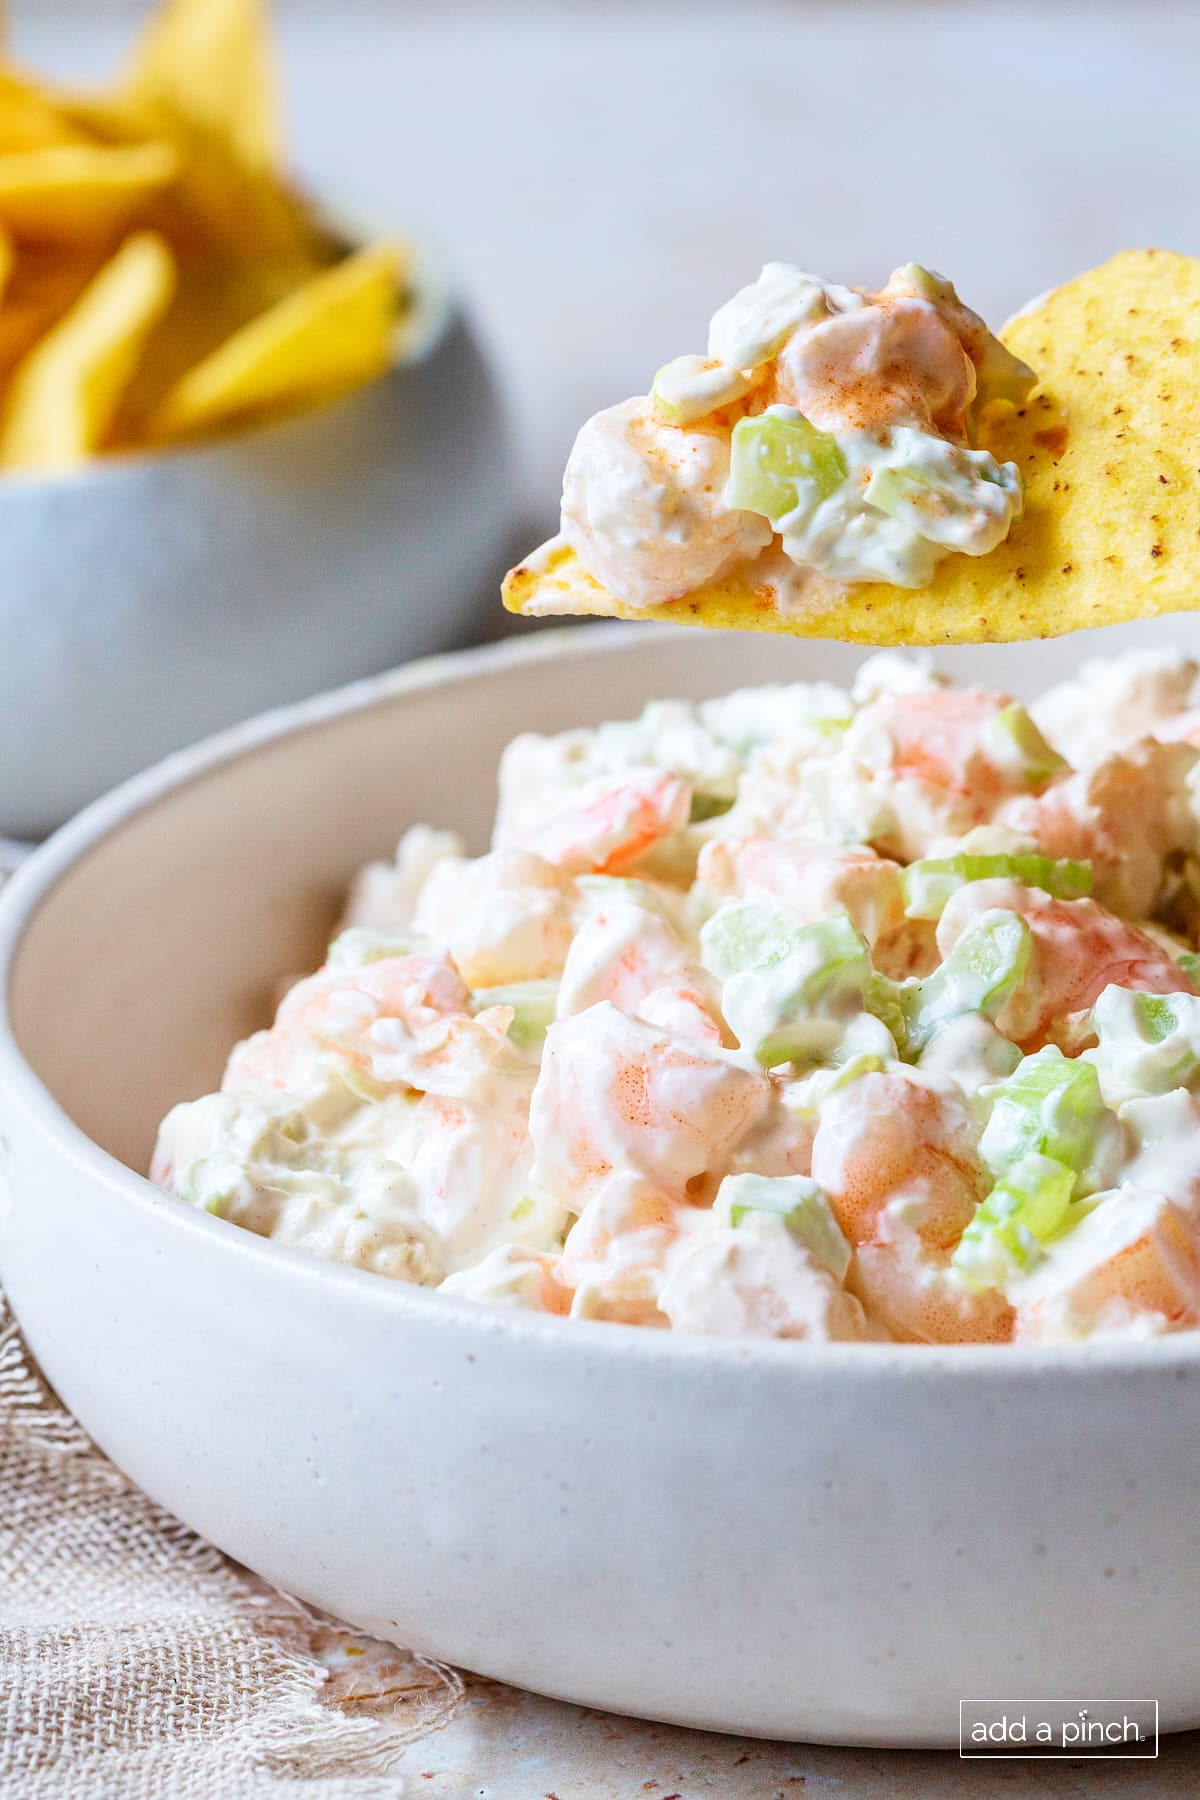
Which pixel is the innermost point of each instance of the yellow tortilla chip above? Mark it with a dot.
(1107, 447)
(64, 395)
(29, 117)
(213, 299)
(210, 64)
(43, 282)
(334, 333)
(80, 192)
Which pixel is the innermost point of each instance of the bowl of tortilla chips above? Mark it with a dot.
(245, 451)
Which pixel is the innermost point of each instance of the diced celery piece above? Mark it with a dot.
(533, 1004)
(1149, 1043)
(708, 806)
(1029, 1204)
(795, 1005)
(691, 387)
(1017, 744)
(775, 452)
(741, 936)
(1050, 1105)
(360, 944)
(805, 1098)
(940, 498)
(928, 884)
(984, 968)
(799, 1202)
(1189, 962)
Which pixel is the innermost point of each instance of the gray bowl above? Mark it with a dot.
(148, 600)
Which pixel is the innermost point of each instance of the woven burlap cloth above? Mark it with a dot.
(136, 1661)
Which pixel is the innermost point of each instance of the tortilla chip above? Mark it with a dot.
(43, 282)
(80, 193)
(1106, 444)
(29, 118)
(209, 63)
(63, 396)
(334, 333)
(212, 300)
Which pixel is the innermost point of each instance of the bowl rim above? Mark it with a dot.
(23, 1090)
(420, 333)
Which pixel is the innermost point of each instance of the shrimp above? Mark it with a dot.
(512, 1275)
(624, 952)
(757, 1280)
(615, 1094)
(609, 827)
(469, 1160)
(505, 917)
(1126, 815)
(811, 881)
(896, 1155)
(895, 362)
(384, 894)
(912, 768)
(616, 1254)
(1078, 950)
(644, 506)
(683, 1011)
(1131, 1266)
(344, 1014)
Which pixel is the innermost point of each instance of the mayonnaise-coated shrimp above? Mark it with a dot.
(338, 1011)
(617, 1094)
(625, 951)
(616, 1254)
(1079, 948)
(605, 831)
(896, 1156)
(1131, 1266)
(1126, 815)
(507, 916)
(644, 505)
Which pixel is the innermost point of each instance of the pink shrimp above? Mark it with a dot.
(939, 739)
(683, 1011)
(607, 832)
(616, 1254)
(1125, 815)
(1131, 1264)
(617, 1094)
(896, 362)
(503, 917)
(624, 952)
(338, 1011)
(1078, 950)
(897, 1158)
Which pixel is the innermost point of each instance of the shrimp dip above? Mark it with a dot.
(874, 465)
(802, 1013)
(828, 430)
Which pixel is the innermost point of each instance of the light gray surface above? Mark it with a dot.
(604, 172)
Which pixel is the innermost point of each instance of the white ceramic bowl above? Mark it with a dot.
(834, 1542)
(150, 599)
